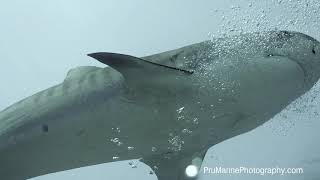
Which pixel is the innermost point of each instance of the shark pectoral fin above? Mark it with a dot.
(174, 167)
(131, 66)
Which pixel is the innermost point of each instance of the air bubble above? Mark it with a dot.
(154, 149)
(180, 110)
(186, 131)
(115, 140)
(195, 121)
(180, 118)
(130, 148)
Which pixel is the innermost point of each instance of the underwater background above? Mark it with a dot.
(41, 40)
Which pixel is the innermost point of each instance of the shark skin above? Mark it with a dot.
(166, 109)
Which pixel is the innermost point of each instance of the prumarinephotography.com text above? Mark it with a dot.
(251, 170)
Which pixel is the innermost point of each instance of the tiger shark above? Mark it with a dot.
(166, 109)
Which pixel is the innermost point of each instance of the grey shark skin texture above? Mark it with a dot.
(165, 109)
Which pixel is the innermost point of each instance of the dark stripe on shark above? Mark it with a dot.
(115, 60)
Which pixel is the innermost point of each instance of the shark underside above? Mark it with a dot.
(166, 109)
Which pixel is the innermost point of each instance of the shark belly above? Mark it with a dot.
(167, 115)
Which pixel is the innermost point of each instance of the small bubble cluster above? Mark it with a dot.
(180, 110)
(257, 16)
(186, 131)
(116, 141)
(132, 165)
(176, 143)
(304, 110)
(117, 129)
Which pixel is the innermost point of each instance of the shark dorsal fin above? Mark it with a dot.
(122, 63)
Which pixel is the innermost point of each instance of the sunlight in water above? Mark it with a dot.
(192, 171)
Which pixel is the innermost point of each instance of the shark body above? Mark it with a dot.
(166, 109)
